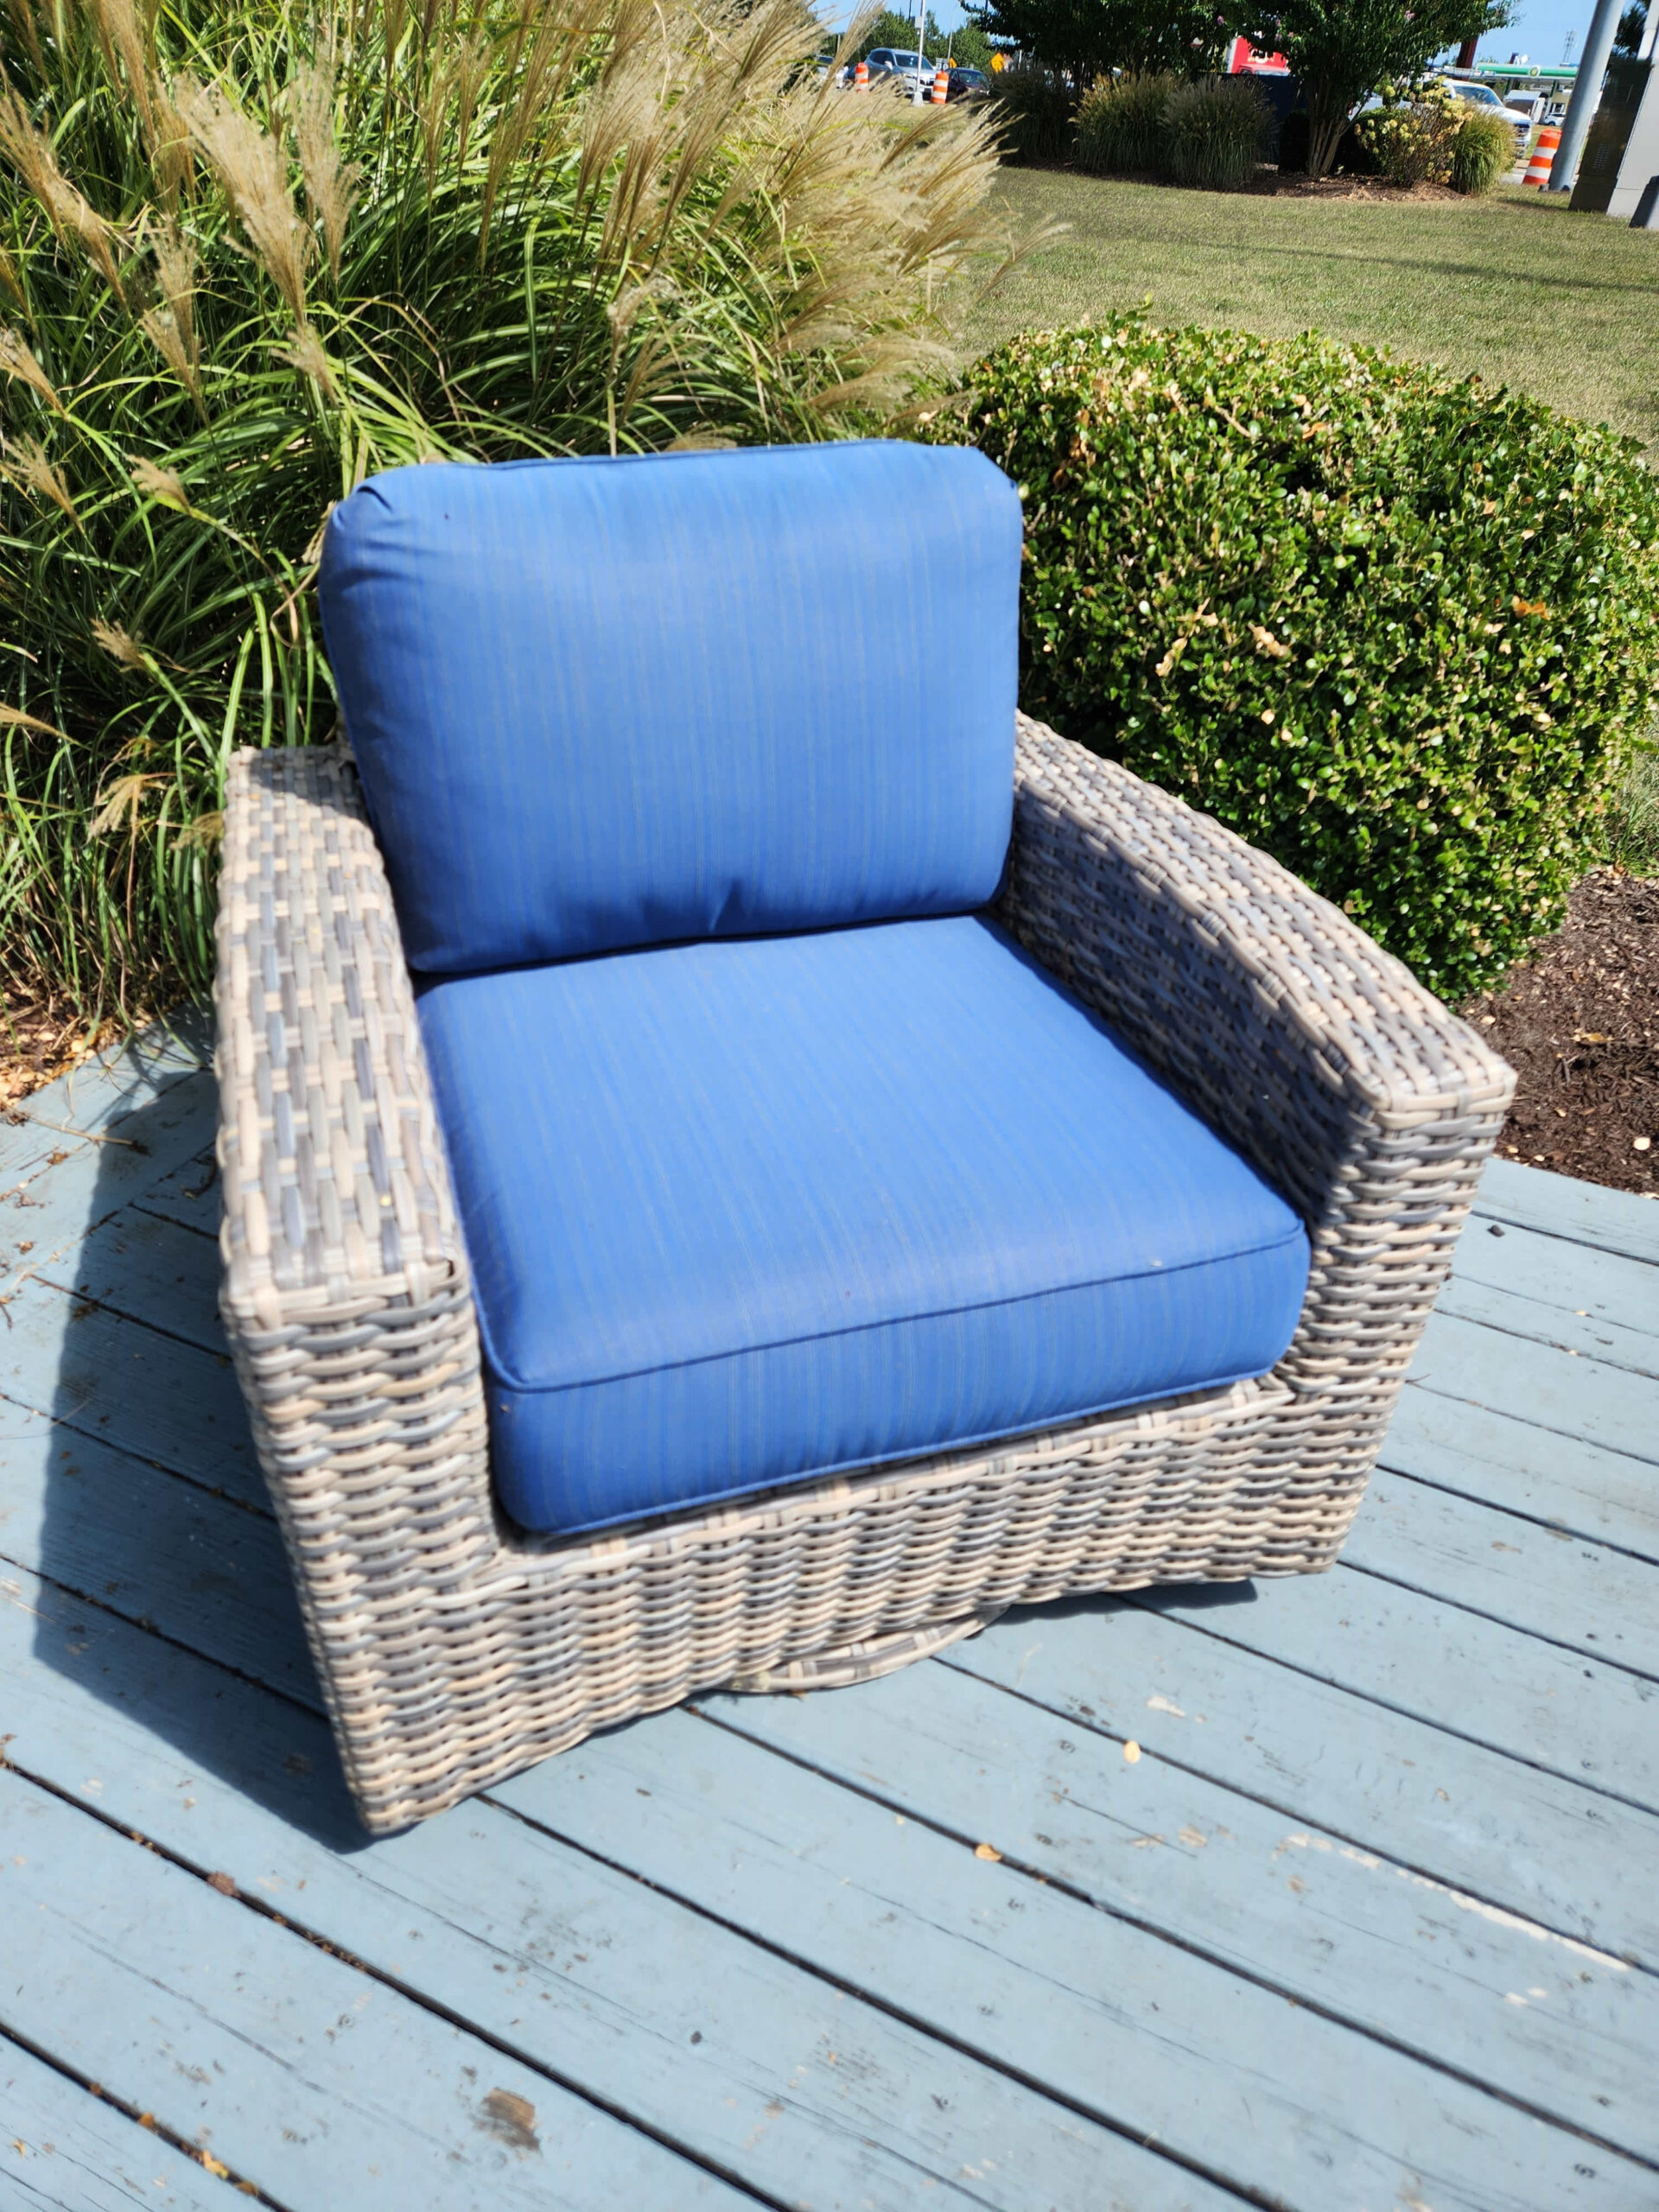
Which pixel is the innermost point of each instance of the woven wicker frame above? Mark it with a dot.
(454, 1650)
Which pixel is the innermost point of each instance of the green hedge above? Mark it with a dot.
(1401, 630)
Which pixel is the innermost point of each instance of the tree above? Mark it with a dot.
(891, 29)
(1082, 39)
(1341, 50)
(1631, 24)
(968, 47)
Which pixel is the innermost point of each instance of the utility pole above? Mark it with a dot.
(1587, 95)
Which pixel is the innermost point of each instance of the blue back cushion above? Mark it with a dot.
(620, 702)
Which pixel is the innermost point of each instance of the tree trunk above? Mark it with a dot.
(1327, 119)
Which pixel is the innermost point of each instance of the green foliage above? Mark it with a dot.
(1341, 50)
(1483, 152)
(1121, 123)
(1399, 629)
(1631, 24)
(1413, 136)
(1030, 111)
(246, 268)
(1215, 133)
(1083, 39)
(893, 29)
(967, 45)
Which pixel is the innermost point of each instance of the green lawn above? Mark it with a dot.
(1517, 287)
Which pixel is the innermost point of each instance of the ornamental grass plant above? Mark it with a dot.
(1483, 154)
(1030, 111)
(1121, 123)
(1215, 130)
(248, 255)
(1399, 629)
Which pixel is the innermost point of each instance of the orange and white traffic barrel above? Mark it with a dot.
(940, 86)
(861, 77)
(1543, 156)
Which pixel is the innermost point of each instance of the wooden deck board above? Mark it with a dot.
(1372, 1923)
(573, 1966)
(64, 2150)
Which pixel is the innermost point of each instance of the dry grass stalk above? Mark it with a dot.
(30, 153)
(249, 164)
(27, 464)
(206, 829)
(161, 326)
(553, 54)
(115, 22)
(331, 185)
(14, 718)
(176, 272)
(122, 803)
(17, 361)
(304, 352)
(119, 644)
(169, 143)
(159, 484)
(28, 30)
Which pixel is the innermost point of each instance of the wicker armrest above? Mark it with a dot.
(1351, 1088)
(347, 1295)
(335, 1184)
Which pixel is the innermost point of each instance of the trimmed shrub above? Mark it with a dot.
(1031, 112)
(1483, 153)
(247, 261)
(1413, 134)
(1121, 123)
(1215, 133)
(1401, 630)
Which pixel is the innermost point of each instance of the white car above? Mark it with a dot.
(1484, 98)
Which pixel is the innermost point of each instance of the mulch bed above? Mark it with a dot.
(1579, 1022)
(40, 1038)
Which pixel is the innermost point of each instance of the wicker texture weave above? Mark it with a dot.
(453, 1649)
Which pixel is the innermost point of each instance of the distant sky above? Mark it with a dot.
(1538, 30)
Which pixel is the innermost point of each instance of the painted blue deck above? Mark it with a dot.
(1372, 1925)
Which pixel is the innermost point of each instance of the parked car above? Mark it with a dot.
(969, 85)
(883, 62)
(1484, 98)
(905, 68)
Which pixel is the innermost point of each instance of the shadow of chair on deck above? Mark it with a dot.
(157, 1540)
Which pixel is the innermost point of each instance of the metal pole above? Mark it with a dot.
(921, 44)
(1587, 95)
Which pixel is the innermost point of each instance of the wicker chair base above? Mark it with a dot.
(437, 1691)
(454, 1650)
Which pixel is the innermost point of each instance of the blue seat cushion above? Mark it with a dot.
(606, 703)
(740, 1213)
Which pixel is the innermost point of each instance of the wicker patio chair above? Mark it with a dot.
(453, 1646)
